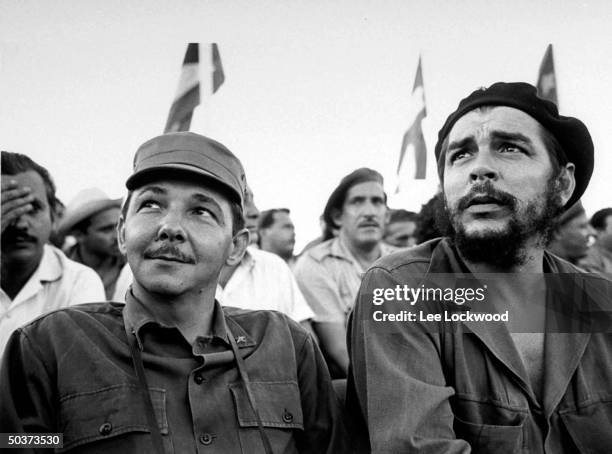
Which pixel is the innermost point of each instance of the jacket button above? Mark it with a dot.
(206, 439)
(198, 379)
(105, 428)
(287, 417)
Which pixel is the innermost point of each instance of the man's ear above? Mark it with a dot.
(336, 216)
(121, 235)
(240, 241)
(567, 182)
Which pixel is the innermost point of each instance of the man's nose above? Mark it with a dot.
(171, 228)
(483, 168)
(22, 222)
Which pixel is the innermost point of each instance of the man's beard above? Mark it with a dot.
(505, 249)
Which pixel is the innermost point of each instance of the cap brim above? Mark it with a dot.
(148, 175)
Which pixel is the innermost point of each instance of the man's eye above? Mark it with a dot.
(459, 154)
(150, 204)
(36, 206)
(202, 211)
(510, 148)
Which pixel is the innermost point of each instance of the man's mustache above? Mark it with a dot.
(12, 235)
(486, 193)
(168, 252)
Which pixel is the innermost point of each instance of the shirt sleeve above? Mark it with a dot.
(87, 288)
(25, 389)
(324, 429)
(320, 291)
(396, 381)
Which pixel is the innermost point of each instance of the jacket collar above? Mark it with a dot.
(563, 351)
(136, 315)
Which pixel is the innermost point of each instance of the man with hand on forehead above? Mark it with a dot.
(509, 164)
(171, 370)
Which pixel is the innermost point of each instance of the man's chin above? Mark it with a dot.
(22, 252)
(501, 248)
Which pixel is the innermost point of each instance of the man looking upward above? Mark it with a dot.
(509, 164)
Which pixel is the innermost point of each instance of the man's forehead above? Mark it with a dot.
(365, 189)
(281, 216)
(482, 122)
(31, 179)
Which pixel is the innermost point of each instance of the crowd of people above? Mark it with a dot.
(144, 324)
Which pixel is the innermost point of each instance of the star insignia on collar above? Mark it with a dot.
(241, 340)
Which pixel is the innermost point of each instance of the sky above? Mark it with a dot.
(313, 89)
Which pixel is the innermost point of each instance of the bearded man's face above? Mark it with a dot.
(500, 190)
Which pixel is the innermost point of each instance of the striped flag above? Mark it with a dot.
(413, 155)
(187, 96)
(547, 81)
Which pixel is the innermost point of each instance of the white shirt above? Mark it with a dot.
(264, 281)
(57, 282)
(261, 281)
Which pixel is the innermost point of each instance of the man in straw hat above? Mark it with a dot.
(91, 218)
(171, 370)
(482, 341)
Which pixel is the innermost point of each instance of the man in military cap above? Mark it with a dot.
(444, 381)
(171, 370)
(329, 274)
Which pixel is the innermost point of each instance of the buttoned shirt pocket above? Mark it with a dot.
(110, 415)
(589, 425)
(280, 410)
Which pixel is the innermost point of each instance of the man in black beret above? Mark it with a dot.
(329, 274)
(451, 343)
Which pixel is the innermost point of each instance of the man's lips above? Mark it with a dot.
(369, 224)
(167, 258)
(483, 200)
(169, 254)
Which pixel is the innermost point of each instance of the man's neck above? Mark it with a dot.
(519, 286)
(15, 275)
(365, 254)
(95, 261)
(191, 313)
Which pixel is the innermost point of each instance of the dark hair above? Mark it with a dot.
(598, 221)
(401, 215)
(15, 163)
(432, 220)
(235, 209)
(266, 218)
(557, 155)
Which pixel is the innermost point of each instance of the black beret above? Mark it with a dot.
(571, 133)
(336, 199)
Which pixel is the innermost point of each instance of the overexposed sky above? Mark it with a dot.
(313, 89)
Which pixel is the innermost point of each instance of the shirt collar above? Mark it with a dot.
(50, 268)
(136, 315)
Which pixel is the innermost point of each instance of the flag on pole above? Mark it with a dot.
(547, 81)
(187, 96)
(413, 155)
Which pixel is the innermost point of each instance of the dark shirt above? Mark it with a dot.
(412, 388)
(71, 372)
